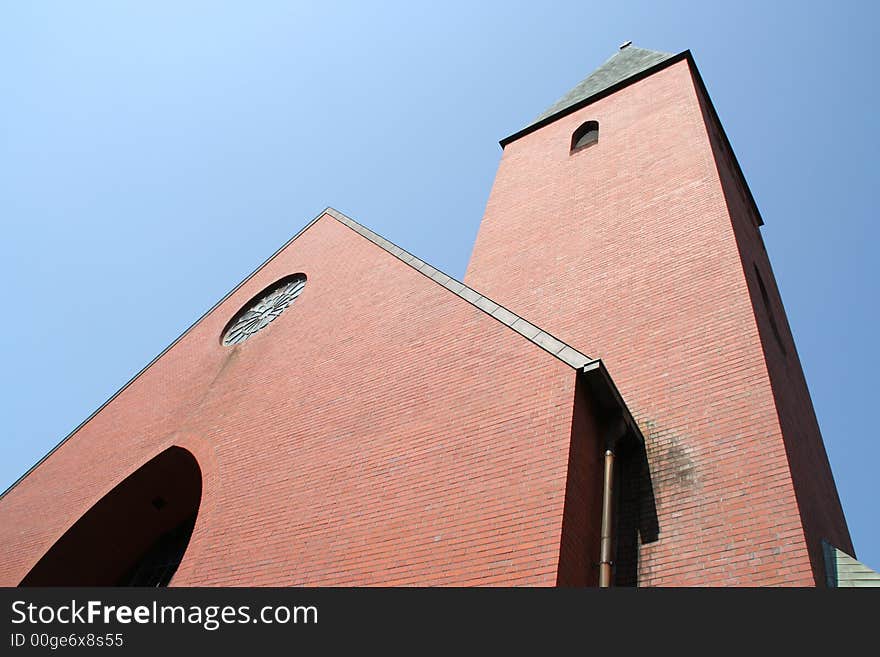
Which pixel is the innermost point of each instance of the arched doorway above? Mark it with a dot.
(135, 535)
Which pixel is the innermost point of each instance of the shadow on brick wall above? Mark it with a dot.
(637, 522)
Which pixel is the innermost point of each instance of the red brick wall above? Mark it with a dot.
(627, 251)
(381, 431)
(818, 501)
(579, 549)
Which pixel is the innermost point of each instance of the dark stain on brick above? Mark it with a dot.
(678, 462)
(670, 460)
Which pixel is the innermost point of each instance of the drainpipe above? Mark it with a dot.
(615, 432)
(607, 524)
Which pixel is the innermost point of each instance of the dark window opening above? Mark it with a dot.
(769, 310)
(136, 535)
(158, 565)
(586, 135)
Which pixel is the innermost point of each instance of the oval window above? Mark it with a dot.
(263, 309)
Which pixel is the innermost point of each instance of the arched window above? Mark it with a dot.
(135, 535)
(586, 135)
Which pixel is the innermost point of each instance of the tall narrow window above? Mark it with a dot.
(766, 299)
(586, 135)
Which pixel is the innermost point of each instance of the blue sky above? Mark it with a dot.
(153, 154)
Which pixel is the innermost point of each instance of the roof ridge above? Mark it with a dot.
(552, 345)
(547, 342)
(626, 62)
(626, 66)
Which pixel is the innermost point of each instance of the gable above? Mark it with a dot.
(388, 402)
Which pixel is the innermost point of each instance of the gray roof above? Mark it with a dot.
(627, 65)
(844, 571)
(529, 331)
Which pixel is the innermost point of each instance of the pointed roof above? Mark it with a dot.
(627, 64)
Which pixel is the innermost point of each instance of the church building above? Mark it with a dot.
(611, 396)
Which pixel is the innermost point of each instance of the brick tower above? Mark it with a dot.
(620, 221)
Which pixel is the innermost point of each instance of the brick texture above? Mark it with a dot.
(382, 431)
(642, 250)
